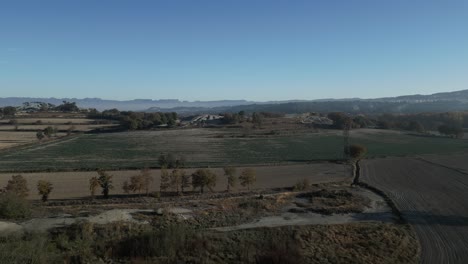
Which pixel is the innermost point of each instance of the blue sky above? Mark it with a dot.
(239, 49)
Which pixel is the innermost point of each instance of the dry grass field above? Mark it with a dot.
(15, 138)
(432, 198)
(48, 121)
(69, 185)
(24, 132)
(79, 128)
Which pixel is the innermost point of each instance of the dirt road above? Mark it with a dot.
(432, 198)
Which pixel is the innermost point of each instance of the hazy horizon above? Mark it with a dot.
(219, 99)
(240, 50)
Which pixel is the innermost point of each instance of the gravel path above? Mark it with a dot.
(432, 198)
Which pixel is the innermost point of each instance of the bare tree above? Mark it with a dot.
(203, 178)
(165, 179)
(105, 181)
(147, 179)
(176, 181)
(248, 177)
(18, 185)
(231, 177)
(93, 185)
(44, 188)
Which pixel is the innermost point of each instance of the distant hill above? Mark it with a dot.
(130, 105)
(438, 102)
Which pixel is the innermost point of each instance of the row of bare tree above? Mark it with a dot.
(176, 180)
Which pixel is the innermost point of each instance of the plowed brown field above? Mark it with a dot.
(432, 198)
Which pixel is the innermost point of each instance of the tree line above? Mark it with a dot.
(136, 120)
(175, 180)
(449, 123)
(65, 107)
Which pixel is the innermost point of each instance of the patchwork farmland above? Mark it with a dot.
(212, 147)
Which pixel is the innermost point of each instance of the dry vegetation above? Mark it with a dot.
(162, 236)
(332, 202)
(170, 234)
(24, 129)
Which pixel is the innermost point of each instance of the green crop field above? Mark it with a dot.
(212, 147)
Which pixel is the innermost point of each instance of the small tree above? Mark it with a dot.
(176, 181)
(179, 180)
(136, 183)
(93, 185)
(186, 180)
(162, 160)
(165, 179)
(18, 185)
(248, 177)
(146, 179)
(357, 152)
(257, 119)
(202, 178)
(49, 131)
(416, 126)
(126, 187)
(105, 181)
(40, 135)
(231, 177)
(44, 188)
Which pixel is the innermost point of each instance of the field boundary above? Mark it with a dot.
(37, 143)
(441, 165)
(388, 200)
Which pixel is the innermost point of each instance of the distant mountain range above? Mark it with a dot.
(438, 102)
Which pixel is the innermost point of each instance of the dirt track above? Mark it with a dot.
(432, 198)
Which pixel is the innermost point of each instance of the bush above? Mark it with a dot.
(30, 249)
(356, 152)
(302, 185)
(13, 207)
(165, 243)
(44, 188)
(18, 185)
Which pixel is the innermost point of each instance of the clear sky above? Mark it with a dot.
(237, 49)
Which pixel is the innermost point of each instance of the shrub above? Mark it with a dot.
(35, 248)
(356, 151)
(18, 185)
(105, 181)
(248, 177)
(44, 188)
(13, 206)
(302, 185)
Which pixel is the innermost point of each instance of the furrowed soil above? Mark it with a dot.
(432, 198)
